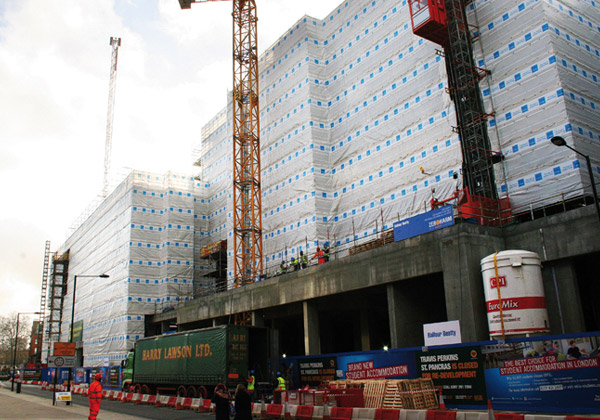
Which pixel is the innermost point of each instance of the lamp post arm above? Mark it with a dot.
(588, 162)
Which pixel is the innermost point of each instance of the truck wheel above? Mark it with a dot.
(191, 392)
(181, 391)
(126, 387)
(202, 391)
(145, 389)
(136, 389)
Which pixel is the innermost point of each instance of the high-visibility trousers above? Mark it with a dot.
(94, 408)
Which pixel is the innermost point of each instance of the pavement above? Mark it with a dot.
(15, 406)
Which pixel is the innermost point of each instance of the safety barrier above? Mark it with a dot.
(363, 413)
(406, 414)
(147, 399)
(341, 413)
(509, 416)
(440, 415)
(257, 409)
(183, 403)
(131, 397)
(309, 412)
(205, 406)
(274, 411)
(196, 404)
(289, 411)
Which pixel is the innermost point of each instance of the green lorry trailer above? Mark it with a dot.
(192, 363)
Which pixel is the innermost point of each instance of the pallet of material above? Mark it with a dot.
(393, 397)
(374, 393)
(418, 394)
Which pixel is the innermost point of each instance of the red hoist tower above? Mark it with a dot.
(247, 217)
(445, 23)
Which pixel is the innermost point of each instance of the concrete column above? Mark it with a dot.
(275, 349)
(365, 336)
(405, 326)
(165, 326)
(562, 297)
(257, 319)
(463, 283)
(312, 340)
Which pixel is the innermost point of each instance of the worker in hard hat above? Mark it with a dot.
(296, 264)
(280, 382)
(283, 267)
(319, 256)
(251, 384)
(326, 251)
(303, 260)
(94, 396)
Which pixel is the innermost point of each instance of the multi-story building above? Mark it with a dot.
(142, 237)
(357, 131)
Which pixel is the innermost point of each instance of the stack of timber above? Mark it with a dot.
(395, 393)
(374, 393)
(419, 394)
(393, 397)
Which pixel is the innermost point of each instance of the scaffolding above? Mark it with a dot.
(57, 290)
(45, 271)
(463, 79)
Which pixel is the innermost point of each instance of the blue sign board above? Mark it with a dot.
(423, 223)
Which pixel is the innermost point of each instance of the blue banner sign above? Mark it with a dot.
(423, 223)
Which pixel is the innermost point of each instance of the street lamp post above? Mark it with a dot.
(559, 141)
(14, 360)
(102, 276)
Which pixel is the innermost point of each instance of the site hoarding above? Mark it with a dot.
(383, 365)
(544, 374)
(561, 375)
(458, 371)
(318, 370)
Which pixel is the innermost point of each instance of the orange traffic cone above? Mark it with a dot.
(442, 403)
(491, 415)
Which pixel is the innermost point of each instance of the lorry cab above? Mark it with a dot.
(127, 370)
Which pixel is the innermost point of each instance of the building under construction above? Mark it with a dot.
(358, 130)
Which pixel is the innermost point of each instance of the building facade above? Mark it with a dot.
(358, 130)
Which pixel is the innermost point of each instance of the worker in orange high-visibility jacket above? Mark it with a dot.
(94, 396)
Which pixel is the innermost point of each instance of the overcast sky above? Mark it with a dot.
(174, 70)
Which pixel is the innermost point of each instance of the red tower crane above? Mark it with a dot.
(445, 23)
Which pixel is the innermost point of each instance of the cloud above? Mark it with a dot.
(173, 76)
(21, 266)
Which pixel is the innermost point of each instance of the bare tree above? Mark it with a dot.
(8, 329)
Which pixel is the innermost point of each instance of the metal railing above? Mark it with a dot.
(533, 210)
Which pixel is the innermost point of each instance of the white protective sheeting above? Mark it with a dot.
(142, 236)
(353, 105)
(544, 82)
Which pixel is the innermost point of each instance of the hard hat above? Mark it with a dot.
(278, 373)
(252, 371)
(98, 376)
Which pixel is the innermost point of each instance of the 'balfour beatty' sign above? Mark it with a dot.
(423, 223)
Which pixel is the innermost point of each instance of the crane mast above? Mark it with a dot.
(115, 43)
(247, 216)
